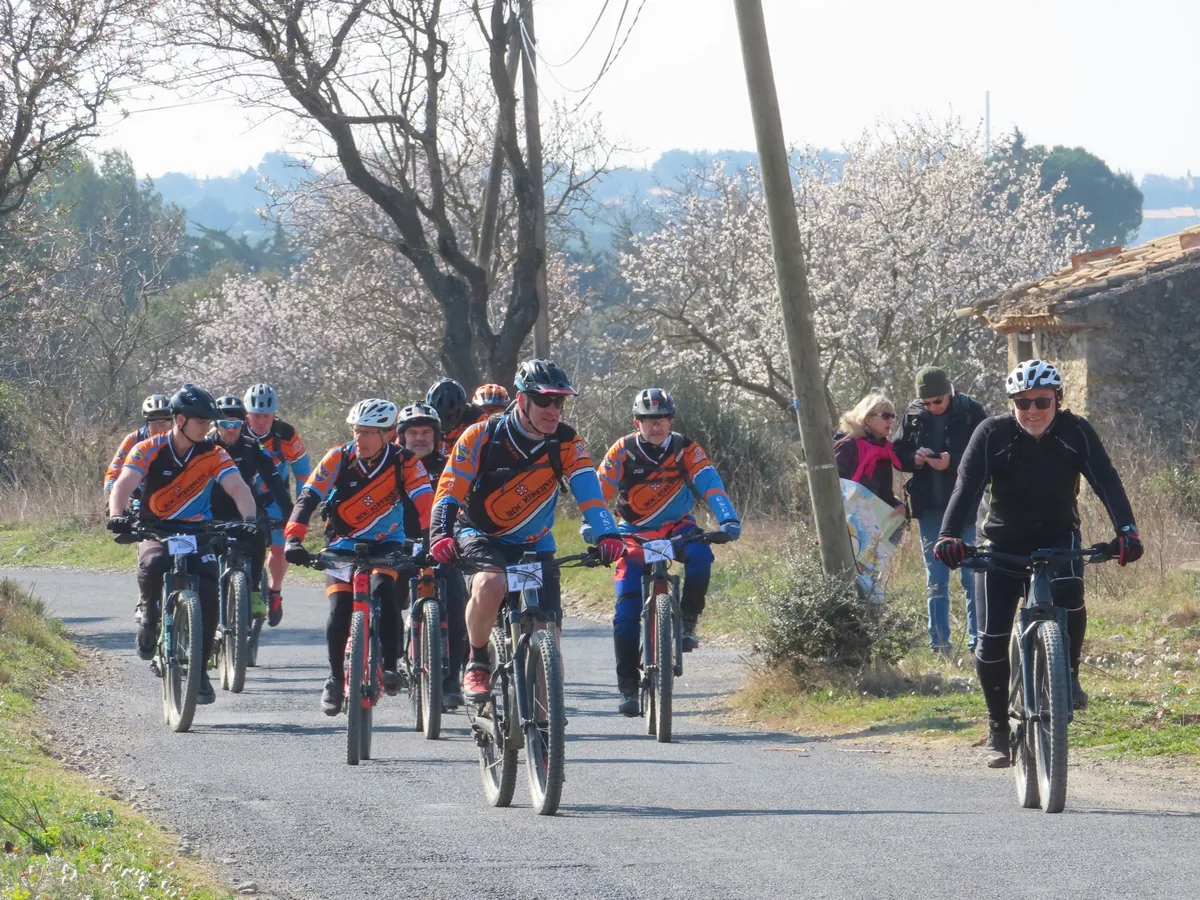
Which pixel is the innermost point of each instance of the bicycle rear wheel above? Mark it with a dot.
(1052, 693)
(1025, 771)
(234, 648)
(545, 736)
(430, 662)
(356, 661)
(664, 652)
(497, 759)
(181, 680)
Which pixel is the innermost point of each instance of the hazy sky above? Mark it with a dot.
(1119, 78)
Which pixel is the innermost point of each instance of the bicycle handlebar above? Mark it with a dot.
(983, 559)
(158, 531)
(588, 559)
(328, 559)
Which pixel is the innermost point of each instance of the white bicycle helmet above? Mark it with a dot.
(156, 406)
(373, 413)
(419, 414)
(1033, 373)
(261, 398)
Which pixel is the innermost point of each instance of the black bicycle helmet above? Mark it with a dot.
(653, 403)
(193, 400)
(156, 406)
(231, 407)
(542, 376)
(449, 400)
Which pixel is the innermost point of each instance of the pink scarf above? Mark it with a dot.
(870, 453)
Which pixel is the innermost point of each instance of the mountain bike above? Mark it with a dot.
(525, 709)
(1040, 701)
(364, 648)
(264, 587)
(232, 646)
(662, 627)
(426, 649)
(178, 658)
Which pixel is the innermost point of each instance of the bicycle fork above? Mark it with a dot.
(371, 667)
(1031, 618)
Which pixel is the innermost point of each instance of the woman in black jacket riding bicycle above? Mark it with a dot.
(1030, 460)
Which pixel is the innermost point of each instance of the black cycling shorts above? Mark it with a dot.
(479, 553)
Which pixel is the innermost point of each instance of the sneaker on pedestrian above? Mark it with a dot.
(690, 641)
(205, 695)
(331, 696)
(258, 606)
(477, 685)
(628, 706)
(275, 615)
(999, 745)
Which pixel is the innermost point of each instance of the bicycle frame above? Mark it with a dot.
(657, 582)
(1038, 607)
(231, 559)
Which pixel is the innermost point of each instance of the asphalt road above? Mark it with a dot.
(260, 787)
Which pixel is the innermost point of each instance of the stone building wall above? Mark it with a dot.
(1142, 364)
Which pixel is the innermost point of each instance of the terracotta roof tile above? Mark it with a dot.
(1038, 303)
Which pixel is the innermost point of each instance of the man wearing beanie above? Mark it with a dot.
(935, 430)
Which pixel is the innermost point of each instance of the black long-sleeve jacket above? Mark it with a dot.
(1033, 483)
(251, 459)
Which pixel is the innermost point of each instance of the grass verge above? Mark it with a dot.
(73, 541)
(60, 838)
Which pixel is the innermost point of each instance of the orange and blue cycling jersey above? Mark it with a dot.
(114, 468)
(654, 485)
(179, 487)
(500, 482)
(473, 415)
(364, 502)
(283, 444)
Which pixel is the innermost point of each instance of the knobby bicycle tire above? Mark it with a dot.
(664, 651)
(545, 737)
(356, 663)
(1025, 771)
(497, 759)
(415, 641)
(430, 662)
(1053, 694)
(181, 680)
(235, 643)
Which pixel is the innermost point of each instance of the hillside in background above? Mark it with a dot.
(1170, 205)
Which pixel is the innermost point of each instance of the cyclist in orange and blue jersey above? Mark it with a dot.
(156, 410)
(497, 497)
(285, 447)
(455, 412)
(364, 485)
(654, 473)
(491, 398)
(177, 472)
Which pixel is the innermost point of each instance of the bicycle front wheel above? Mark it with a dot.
(235, 643)
(430, 662)
(1025, 770)
(356, 662)
(181, 680)
(1052, 694)
(545, 736)
(497, 753)
(664, 651)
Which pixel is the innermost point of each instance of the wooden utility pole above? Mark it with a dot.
(533, 149)
(491, 190)
(837, 557)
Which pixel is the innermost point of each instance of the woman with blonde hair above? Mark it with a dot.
(864, 450)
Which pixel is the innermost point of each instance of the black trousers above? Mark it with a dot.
(997, 597)
(154, 562)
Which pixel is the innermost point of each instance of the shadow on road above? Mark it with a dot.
(616, 761)
(1151, 813)
(602, 811)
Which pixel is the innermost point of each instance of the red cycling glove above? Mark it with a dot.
(444, 550)
(950, 552)
(611, 549)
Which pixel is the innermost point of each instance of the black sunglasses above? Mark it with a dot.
(1024, 403)
(544, 400)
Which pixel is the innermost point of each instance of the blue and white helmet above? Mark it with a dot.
(373, 413)
(1033, 373)
(261, 398)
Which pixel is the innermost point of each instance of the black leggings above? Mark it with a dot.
(154, 562)
(341, 609)
(996, 606)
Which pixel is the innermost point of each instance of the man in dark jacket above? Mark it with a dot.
(935, 431)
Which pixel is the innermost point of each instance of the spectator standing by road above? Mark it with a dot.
(864, 451)
(934, 433)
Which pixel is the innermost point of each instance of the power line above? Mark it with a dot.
(586, 40)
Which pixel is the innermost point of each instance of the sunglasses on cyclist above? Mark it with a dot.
(544, 400)
(229, 423)
(1024, 403)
